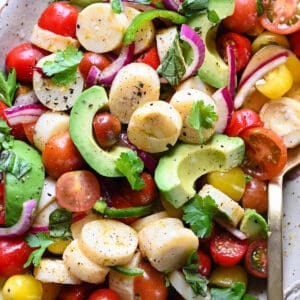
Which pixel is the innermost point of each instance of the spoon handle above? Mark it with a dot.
(275, 265)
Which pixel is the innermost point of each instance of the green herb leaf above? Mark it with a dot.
(199, 213)
(40, 241)
(64, 67)
(172, 68)
(235, 292)
(191, 273)
(213, 16)
(192, 7)
(248, 177)
(202, 117)
(249, 297)
(131, 166)
(128, 271)
(259, 7)
(8, 87)
(159, 5)
(60, 221)
(116, 6)
(6, 139)
(146, 2)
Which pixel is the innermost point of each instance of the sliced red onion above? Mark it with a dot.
(36, 229)
(92, 76)
(109, 73)
(233, 230)
(249, 81)
(172, 4)
(189, 35)
(224, 104)
(232, 70)
(27, 98)
(24, 113)
(24, 222)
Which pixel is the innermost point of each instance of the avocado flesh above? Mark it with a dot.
(29, 186)
(81, 130)
(254, 225)
(178, 170)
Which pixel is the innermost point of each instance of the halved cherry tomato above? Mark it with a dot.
(23, 58)
(104, 294)
(92, 59)
(241, 47)
(242, 119)
(2, 204)
(266, 154)
(150, 57)
(204, 263)
(281, 16)
(227, 250)
(77, 190)
(150, 285)
(107, 129)
(294, 40)
(59, 18)
(60, 155)
(256, 259)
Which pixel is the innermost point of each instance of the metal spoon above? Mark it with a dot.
(275, 253)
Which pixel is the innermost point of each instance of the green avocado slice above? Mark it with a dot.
(81, 130)
(29, 186)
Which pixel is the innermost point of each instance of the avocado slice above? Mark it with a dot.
(254, 225)
(178, 170)
(29, 186)
(82, 114)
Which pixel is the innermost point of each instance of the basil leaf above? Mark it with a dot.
(60, 221)
(116, 6)
(235, 292)
(259, 7)
(192, 7)
(128, 271)
(8, 87)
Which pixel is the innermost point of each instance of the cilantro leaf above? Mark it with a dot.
(191, 7)
(60, 221)
(259, 7)
(131, 166)
(198, 213)
(116, 6)
(235, 292)
(202, 117)
(40, 241)
(190, 271)
(172, 67)
(8, 87)
(63, 68)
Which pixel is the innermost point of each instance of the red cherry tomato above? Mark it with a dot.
(244, 17)
(150, 285)
(74, 292)
(59, 18)
(256, 259)
(144, 196)
(241, 47)
(294, 40)
(266, 154)
(204, 263)
(281, 16)
(29, 131)
(150, 57)
(227, 250)
(106, 129)
(104, 294)
(242, 119)
(23, 58)
(77, 190)
(60, 155)
(92, 59)
(14, 253)
(2, 204)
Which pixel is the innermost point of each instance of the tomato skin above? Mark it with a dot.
(29, 131)
(266, 154)
(92, 59)
(294, 40)
(77, 190)
(227, 250)
(204, 263)
(74, 292)
(244, 17)
(256, 260)
(150, 285)
(2, 204)
(59, 18)
(106, 129)
(241, 47)
(242, 119)
(104, 294)
(150, 57)
(60, 155)
(14, 253)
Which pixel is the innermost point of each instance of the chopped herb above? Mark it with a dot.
(130, 165)
(235, 292)
(60, 221)
(146, 2)
(199, 213)
(116, 6)
(202, 117)
(6, 139)
(128, 271)
(248, 177)
(213, 16)
(40, 241)
(63, 70)
(159, 5)
(8, 87)
(259, 7)
(192, 7)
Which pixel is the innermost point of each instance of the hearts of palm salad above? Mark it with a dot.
(137, 141)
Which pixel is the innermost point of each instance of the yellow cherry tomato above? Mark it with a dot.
(22, 287)
(293, 64)
(276, 83)
(232, 182)
(59, 246)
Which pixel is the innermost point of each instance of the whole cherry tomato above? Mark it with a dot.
(74, 292)
(104, 294)
(150, 57)
(204, 263)
(294, 40)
